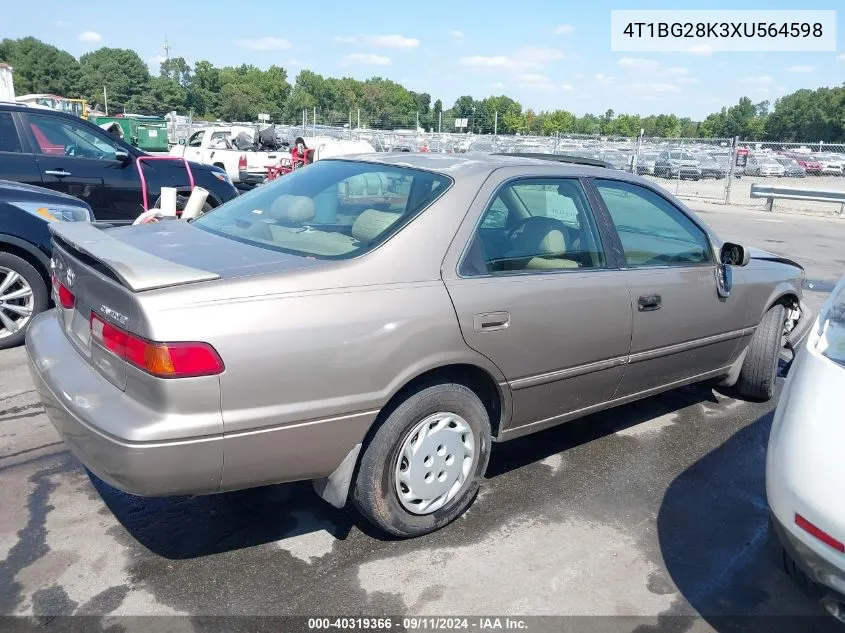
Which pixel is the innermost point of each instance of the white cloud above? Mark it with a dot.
(601, 78)
(155, 62)
(800, 69)
(496, 84)
(687, 80)
(295, 63)
(264, 44)
(655, 87)
(524, 58)
(763, 80)
(762, 91)
(532, 80)
(564, 29)
(457, 34)
(781, 89)
(567, 87)
(701, 49)
(841, 57)
(578, 76)
(380, 41)
(90, 36)
(367, 59)
(639, 63)
(60, 24)
(677, 70)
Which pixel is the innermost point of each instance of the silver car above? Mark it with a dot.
(375, 323)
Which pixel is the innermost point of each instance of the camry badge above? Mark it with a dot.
(114, 314)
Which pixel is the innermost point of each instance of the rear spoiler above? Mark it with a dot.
(134, 268)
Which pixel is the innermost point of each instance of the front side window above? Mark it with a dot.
(196, 139)
(653, 231)
(536, 225)
(62, 137)
(332, 209)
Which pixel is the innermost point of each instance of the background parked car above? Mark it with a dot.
(678, 164)
(25, 213)
(710, 167)
(791, 168)
(646, 162)
(763, 165)
(807, 163)
(831, 164)
(67, 154)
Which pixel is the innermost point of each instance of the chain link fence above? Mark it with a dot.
(710, 169)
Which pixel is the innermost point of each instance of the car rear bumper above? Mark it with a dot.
(75, 396)
(251, 177)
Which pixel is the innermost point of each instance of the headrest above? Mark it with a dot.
(295, 209)
(540, 236)
(372, 223)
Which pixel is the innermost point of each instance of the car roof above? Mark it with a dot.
(471, 163)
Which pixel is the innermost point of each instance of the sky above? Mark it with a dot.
(545, 54)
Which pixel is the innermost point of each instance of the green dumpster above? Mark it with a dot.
(147, 133)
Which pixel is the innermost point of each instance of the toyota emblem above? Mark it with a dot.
(70, 276)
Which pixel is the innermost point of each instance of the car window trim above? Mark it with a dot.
(21, 142)
(612, 263)
(618, 240)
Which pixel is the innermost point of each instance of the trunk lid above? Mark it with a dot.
(108, 270)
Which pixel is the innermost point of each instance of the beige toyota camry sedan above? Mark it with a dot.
(374, 323)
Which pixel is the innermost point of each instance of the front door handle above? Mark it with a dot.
(61, 173)
(649, 303)
(491, 321)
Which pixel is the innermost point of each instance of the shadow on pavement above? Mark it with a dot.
(532, 448)
(717, 545)
(189, 527)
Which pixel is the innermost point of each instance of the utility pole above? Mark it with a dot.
(418, 121)
(314, 122)
(106, 100)
(496, 123)
(440, 123)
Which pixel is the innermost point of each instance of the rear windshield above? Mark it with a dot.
(332, 209)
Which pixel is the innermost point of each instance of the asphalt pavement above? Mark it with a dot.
(654, 510)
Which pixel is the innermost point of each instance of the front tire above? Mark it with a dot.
(23, 294)
(426, 461)
(759, 370)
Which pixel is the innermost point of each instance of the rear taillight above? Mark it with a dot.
(242, 163)
(164, 360)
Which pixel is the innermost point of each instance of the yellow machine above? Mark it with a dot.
(77, 107)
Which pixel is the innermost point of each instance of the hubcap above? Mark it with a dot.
(434, 462)
(16, 302)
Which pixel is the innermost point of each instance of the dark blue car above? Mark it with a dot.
(25, 212)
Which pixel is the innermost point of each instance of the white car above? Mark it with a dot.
(832, 164)
(805, 469)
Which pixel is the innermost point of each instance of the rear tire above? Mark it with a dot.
(10, 308)
(377, 486)
(759, 370)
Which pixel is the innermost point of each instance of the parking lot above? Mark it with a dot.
(655, 510)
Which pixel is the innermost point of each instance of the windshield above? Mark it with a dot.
(332, 209)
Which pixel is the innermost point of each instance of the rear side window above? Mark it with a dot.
(9, 140)
(332, 209)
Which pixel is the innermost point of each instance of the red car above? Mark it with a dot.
(810, 166)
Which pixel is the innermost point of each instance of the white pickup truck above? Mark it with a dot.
(214, 146)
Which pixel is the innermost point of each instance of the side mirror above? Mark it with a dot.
(182, 141)
(122, 156)
(734, 255)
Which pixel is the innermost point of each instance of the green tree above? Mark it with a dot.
(809, 115)
(120, 70)
(40, 67)
(204, 91)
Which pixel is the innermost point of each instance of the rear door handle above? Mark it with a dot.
(61, 173)
(491, 321)
(649, 303)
